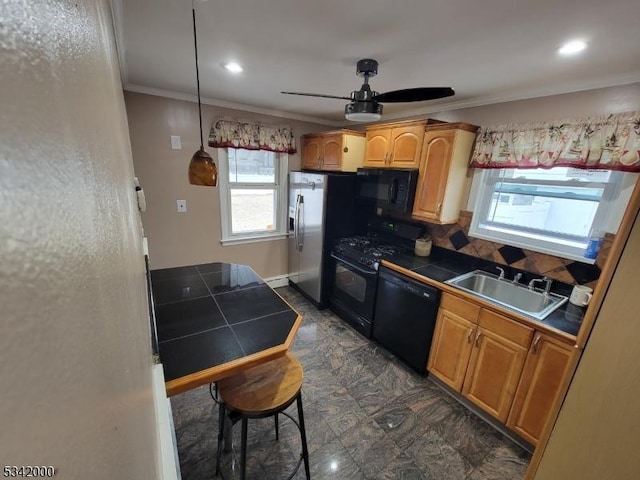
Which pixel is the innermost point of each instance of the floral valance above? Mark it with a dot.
(611, 143)
(230, 133)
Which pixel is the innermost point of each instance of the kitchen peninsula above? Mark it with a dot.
(216, 319)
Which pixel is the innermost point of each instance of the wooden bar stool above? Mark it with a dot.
(262, 391)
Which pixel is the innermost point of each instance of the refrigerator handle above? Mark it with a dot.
(295, 221)
(299, 223)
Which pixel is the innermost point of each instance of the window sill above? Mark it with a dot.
(239, 240)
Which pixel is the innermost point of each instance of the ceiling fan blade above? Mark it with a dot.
(316, 95)
(414, 94)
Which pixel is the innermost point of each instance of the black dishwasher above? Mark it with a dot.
(405, 317)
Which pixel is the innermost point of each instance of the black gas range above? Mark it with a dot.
(367, 251)
(355, 264)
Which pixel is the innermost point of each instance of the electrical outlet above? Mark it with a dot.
(182, 206)
(176, 143)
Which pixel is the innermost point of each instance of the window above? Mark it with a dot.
(253, 194)
(553, 211)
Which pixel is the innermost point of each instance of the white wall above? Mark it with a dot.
(75, 357)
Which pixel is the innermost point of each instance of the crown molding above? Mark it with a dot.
(118, 33)
(131, 87)
(575, 87)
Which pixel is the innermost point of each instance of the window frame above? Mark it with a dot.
(483, 188)
(280, 187)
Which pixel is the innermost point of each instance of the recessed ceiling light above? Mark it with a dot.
(573, 47)
(233, 67)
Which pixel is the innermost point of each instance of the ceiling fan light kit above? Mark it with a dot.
(202, 168)
(365, 104)
(363, 111)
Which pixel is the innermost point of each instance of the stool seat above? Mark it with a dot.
(263, 389)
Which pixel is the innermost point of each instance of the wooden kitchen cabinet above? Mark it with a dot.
(453, 340)
(548, 362)
(339, 150)
(394, 145)
(479, 353)
(499, 353)
(446, 150)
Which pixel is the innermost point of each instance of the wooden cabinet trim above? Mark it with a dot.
(331, 133)
(467, 127)
(493, 373)
(505, 327)
(451, 351)
(399, 124)
(460, 307)
(545, 369)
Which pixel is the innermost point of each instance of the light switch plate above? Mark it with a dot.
(181, 205)
(176, 143)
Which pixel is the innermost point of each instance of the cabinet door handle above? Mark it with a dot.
(478, 335)
(438, 207)
(534, 348)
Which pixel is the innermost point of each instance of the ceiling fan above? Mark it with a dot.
(365, 105)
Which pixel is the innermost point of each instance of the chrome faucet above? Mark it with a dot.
(547, 287)
(517, 277)
(501, 277)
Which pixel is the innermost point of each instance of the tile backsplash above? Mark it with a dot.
(456, 237)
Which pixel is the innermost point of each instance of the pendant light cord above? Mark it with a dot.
(195, 43)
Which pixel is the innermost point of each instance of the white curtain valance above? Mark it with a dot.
(231, 133)
(611, 143)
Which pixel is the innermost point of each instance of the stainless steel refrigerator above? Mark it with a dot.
(321, 210)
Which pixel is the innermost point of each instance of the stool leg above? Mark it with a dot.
(276, 419)
(220, 436)
(303, 435)
(243, 449)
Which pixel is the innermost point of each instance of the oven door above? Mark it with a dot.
(353, 291)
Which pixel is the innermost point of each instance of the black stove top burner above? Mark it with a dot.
(356, 242)
(365, 250)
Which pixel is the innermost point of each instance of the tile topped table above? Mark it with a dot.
(216, 319)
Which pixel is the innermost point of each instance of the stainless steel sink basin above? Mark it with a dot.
(535, 303)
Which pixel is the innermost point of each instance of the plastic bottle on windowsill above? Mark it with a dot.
(593, 247)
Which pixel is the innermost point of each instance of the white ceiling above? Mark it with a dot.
(488, 51)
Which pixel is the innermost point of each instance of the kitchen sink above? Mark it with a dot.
(535, 303)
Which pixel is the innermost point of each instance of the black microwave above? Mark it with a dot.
(387, 188)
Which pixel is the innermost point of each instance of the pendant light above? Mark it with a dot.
(202, 169)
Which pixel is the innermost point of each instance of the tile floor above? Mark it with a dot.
(367, 417)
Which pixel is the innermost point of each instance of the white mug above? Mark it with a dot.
(581, 295)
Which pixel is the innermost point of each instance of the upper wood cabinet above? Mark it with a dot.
(394, 145)
(446, 150)
(338, 150)
(548, 363)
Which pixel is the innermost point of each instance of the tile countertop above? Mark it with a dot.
(212, 314)
(443, 265)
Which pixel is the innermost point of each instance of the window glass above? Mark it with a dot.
(555, 211)
(253, 210)
(253, 194)
(252, 166)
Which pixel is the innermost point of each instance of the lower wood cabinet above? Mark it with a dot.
(506, 368)
(498, 355)
(548, 362)
(453, 340)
